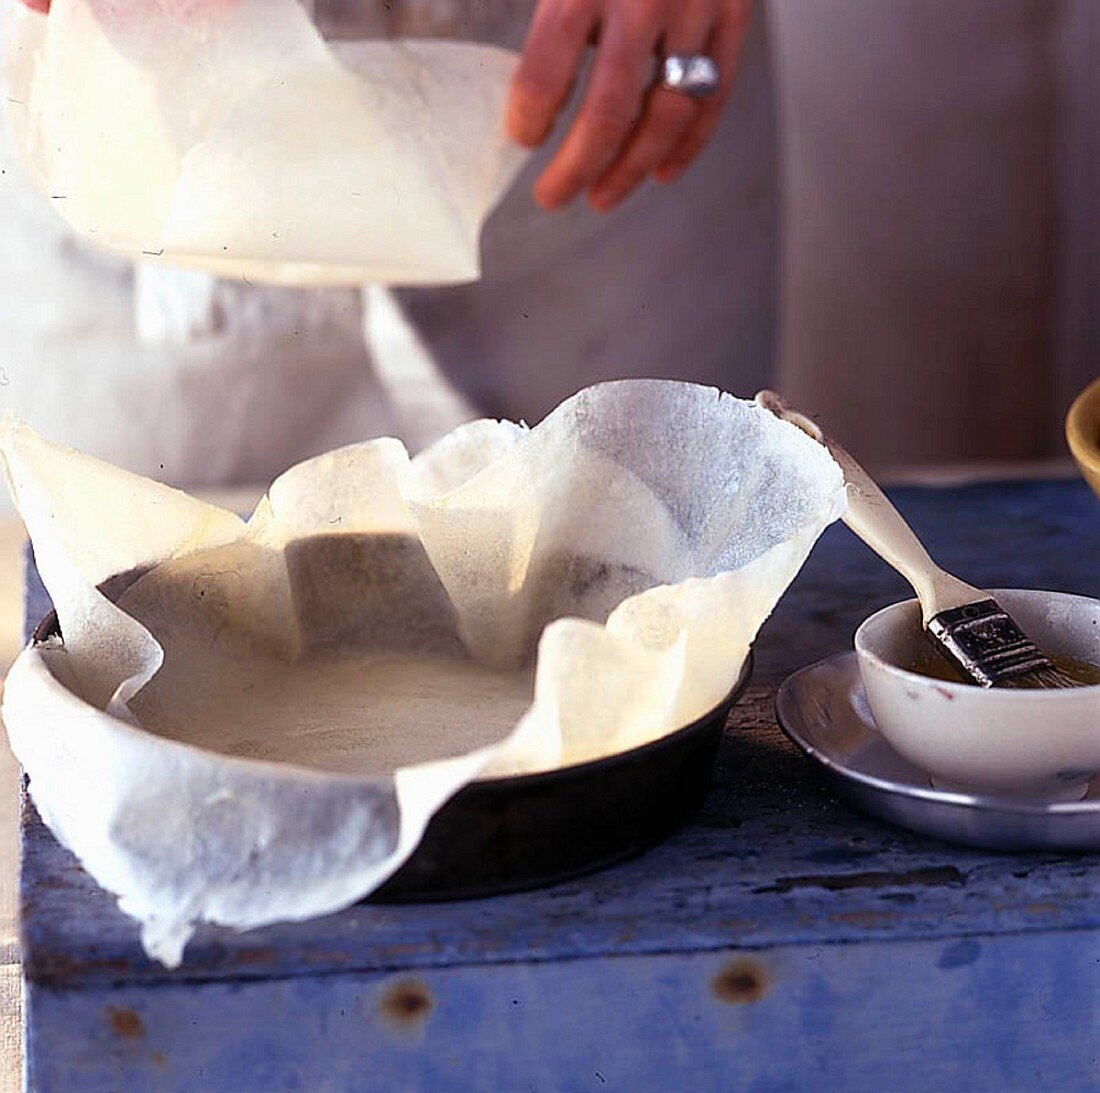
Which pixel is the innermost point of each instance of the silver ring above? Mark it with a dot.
(693, 74)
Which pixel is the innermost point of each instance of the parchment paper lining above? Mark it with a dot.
(263, 724)
(231, 138)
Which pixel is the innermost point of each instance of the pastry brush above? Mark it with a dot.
(966, 625)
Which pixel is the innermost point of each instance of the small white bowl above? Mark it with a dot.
(1001, 742)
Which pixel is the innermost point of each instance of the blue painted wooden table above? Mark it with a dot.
(782, 942)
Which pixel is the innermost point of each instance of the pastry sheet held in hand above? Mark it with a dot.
(257, 721)
(230, 137)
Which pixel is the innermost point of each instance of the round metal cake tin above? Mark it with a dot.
(823, 710)
(510, 834)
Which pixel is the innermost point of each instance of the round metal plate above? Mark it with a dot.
(824, 711)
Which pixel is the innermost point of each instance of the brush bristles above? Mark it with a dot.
(988, 648)
(1041, 678)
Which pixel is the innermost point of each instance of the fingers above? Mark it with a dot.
(612, 104)
(725, 48)
(626, 130)
(667, 115)
(551, 58)
(38, 5)
(666, 119)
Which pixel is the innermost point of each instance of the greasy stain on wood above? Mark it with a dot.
(405, 1005)
(125, 1022)
(740, 983)
(57, 968)
(256, 956)
(869, 920)
(934, 877)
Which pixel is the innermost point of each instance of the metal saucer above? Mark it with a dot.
(824, 711)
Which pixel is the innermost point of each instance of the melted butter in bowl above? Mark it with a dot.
(938, 667)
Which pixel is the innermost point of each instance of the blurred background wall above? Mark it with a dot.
(896, 225)
(939, 287)
(680, 281)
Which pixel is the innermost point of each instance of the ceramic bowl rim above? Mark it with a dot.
(1085, 450)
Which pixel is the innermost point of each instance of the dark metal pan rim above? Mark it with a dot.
(641, 752)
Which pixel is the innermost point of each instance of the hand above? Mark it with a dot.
(628, 128)
(38, 5)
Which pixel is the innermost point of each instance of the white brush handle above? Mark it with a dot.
(875, 520)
